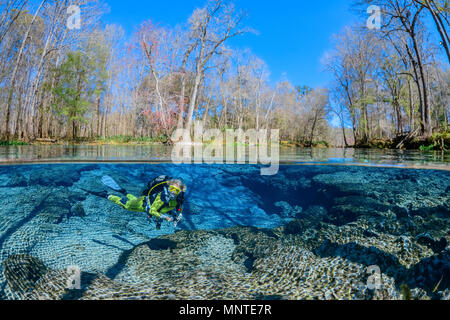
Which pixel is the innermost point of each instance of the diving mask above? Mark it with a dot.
(174, 190)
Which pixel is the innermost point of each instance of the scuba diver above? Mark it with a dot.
(162, 199)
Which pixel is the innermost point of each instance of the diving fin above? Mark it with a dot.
(110, 183)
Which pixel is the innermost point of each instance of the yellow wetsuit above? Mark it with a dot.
(158, 207)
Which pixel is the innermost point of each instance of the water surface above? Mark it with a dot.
(160, 153)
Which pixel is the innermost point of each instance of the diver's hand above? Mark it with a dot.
(168, 219)
(178, 220)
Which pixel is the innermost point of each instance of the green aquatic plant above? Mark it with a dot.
(427, 148)
(439, 141)
(406, 292)
(13, 143)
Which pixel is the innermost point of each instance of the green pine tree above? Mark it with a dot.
(71, 101)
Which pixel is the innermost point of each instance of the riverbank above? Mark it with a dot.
(438, 142)
(116, 140)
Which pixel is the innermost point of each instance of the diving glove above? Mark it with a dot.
(178, 220)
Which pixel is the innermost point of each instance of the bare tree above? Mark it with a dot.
(210, 28)
(439, 10)
(6, 123)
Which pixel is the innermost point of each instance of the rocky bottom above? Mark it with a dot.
(302, 260)
(311, 232)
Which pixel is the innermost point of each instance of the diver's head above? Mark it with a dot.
(176, 187)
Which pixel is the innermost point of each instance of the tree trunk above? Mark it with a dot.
(98, 117)
(411, 107)
(193, 101)
(6, 122)
(441, 28)
(428, 130)
(311, 139)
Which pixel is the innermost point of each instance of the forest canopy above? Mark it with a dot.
(69, 83)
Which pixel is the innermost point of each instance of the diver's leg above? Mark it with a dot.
(130, 203)
(119, 201)
(135, 204)
(131, 197)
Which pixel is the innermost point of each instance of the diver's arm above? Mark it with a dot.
(179, 210)
(180, 201)
(154, 209)
(156, 206)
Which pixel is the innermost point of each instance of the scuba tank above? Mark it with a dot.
(156, 186)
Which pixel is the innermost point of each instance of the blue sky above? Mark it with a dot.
(293, 35)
